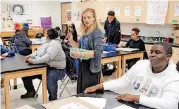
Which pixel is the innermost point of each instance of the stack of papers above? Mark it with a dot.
(123, 107)
(98, 102)
(127, 49)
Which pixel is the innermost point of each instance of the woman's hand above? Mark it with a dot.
(29, 60)
(76, 54)
(128, 97)
(70, 36)
(90, 89)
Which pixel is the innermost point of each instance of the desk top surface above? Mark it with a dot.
(119, 53)
(111, 100)
(16, 63)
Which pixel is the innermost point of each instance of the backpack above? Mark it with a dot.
(70, 65)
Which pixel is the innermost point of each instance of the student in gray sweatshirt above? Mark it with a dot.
(52, 54)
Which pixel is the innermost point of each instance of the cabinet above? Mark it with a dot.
(172, 19)
(175, 56)
(139, 19)
(83, 5)
(125, 10)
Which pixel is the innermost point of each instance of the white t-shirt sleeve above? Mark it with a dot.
(168, 100)
(124, 81)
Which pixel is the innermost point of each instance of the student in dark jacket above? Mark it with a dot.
(112, 36)
(135, 42)
(22, 43)
(17, 32)
(112, 29)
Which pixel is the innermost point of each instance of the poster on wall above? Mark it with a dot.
(177, 10)
(6, 17)
(68, 15)
(156, 11)
(137, 11)
(117, 11)
(78, 15)
(127, 11)
(46, 22)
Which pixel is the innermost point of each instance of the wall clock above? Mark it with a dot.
(18, 9)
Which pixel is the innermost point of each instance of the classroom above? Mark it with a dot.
(89, 54)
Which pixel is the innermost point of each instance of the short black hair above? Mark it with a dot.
(52, 33)
(57, 28)
(167, 47)
(17, 31)
(137, 30)
(177, 66)
(111, 13)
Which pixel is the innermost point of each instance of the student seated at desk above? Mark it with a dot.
(5, 52)
(135, 42)
(52, 54)
(17, 33)
(22, 43)
(154, 82)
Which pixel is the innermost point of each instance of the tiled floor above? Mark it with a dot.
(15, 100)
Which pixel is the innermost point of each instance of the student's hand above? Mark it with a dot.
(128, 97)
(90, 89)
(76, 54)
(70, 36)
(27, 57)
(4, 55)
(65, 40)
(29, 60)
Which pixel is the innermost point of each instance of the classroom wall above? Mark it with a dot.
(43, 9)
(147, 30)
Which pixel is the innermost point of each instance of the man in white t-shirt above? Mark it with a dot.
(154, 82)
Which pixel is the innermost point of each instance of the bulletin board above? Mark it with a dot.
(65, 10)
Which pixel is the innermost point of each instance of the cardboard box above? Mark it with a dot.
(57, 104)
(176, 37)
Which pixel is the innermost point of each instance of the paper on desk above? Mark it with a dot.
(25, 107)
(73, 105)
(123, 107)
(98, 102)
(105, 52)
(126, 49)
(37, 41)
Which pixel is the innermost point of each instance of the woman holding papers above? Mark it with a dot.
(154, 82)
(91, 41)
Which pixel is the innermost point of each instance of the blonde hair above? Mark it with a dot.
(96, 24)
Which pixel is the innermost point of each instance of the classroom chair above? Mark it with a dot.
(62, 86)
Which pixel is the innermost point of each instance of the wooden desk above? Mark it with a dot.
(130, 56)
(16, 67)
(110, 103)
(31, 33)
(34, 47)
(113, 59)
